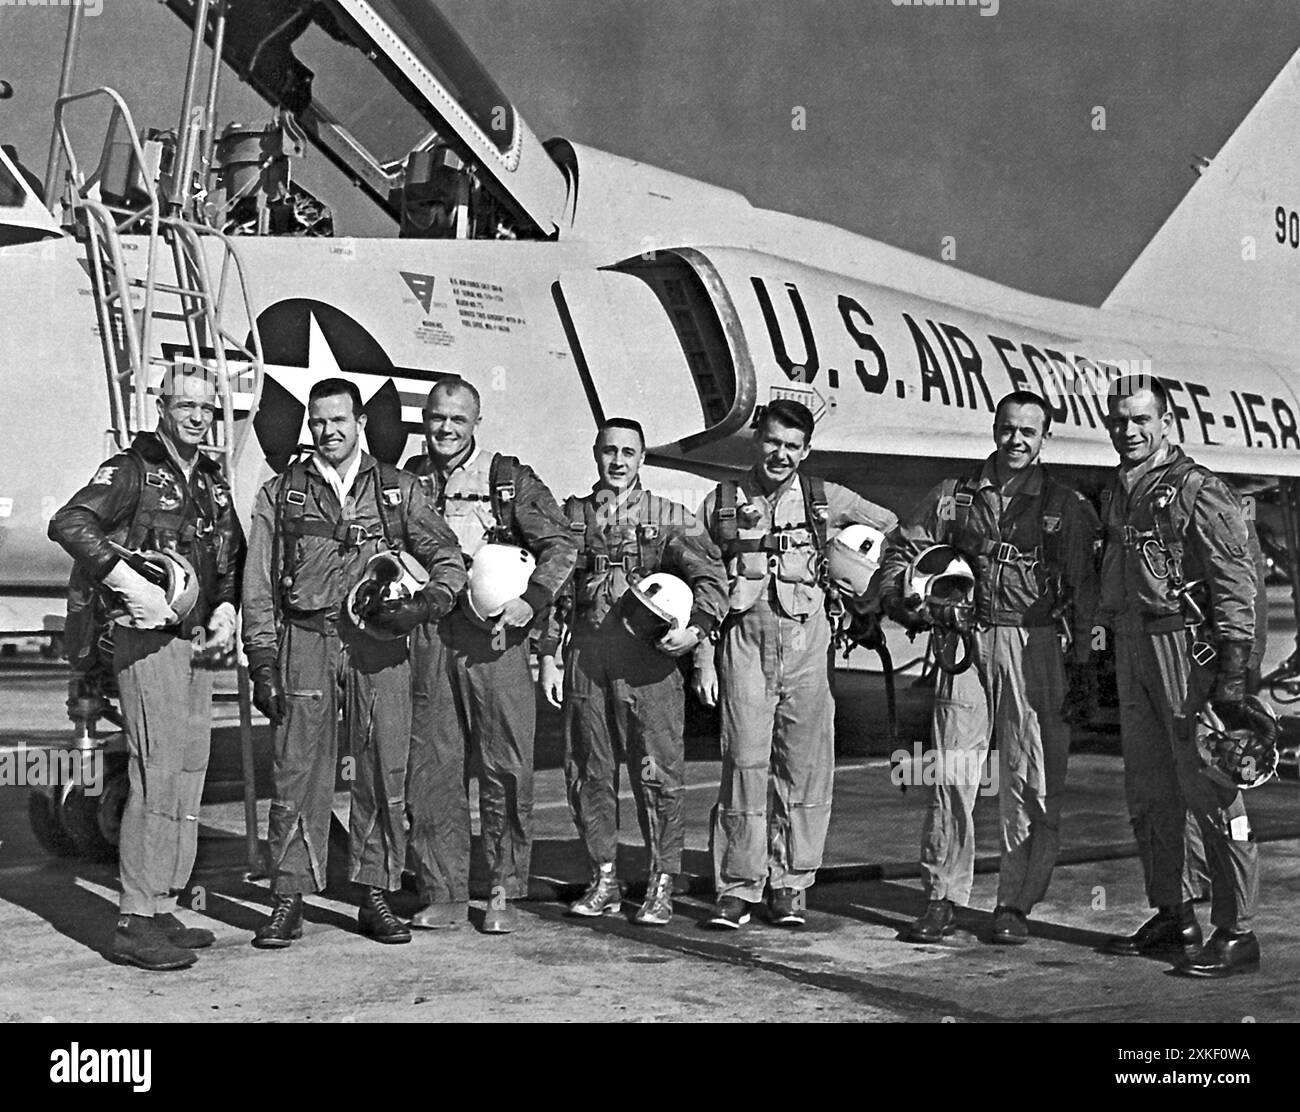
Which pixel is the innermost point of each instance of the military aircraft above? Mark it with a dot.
(568, 283)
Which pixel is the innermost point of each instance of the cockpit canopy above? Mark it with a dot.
(318, 60)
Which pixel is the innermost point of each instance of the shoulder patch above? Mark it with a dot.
(1051, 523)
(169, 496)
(104, 476)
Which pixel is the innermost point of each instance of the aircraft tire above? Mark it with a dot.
(94, 823)
(43, 816)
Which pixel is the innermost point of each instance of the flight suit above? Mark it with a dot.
(474, 687)
(142, 498)
(623, 697)
(1162, 688)
(306, 552)
(773, 663)
(1033, 548)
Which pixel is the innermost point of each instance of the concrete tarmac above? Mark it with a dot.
(57, 914)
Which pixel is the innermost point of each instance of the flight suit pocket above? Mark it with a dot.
(798, 566)
(752, 565)
(808, 826)
(954, 718)
(741, 854)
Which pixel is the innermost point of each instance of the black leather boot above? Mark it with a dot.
(282, 926)
(139, 941)
(378, 921)
(1010, 926)
(1225, 955)
(178, 934)
(940, 918)
(1171, 932)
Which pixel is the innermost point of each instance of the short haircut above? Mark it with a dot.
(454, 384)
(791, 414)
(1128, 385)
(1024, 397)
(178, 372)
(622, 423)
(334, 388)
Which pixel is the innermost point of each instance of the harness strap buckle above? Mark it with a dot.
(1008, 553)
(351, 535)
(1135, 538)
(787, 539)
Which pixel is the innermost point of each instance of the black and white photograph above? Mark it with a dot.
(656, 511)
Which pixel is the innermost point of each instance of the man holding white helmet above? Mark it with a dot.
(1031, 544)
(473, 683)
(649, 585)
(771, 675)
(162, 494)
(325, 623)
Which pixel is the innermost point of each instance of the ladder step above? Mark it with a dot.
(179, 291)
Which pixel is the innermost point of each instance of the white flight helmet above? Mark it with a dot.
(169, 570)
(853, 558)
(1247, 754)
(388, 577)
(656, 605)
(941, 583)
(499, 573)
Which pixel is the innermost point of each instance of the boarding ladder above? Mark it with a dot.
(179, 282)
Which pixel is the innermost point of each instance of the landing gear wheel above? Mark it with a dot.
(94, 823)
(43, 816)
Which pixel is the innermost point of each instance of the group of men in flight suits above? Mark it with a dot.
(425, 684)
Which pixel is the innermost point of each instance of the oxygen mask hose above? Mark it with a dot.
(951, 618)
(891, 704)
(947, 640)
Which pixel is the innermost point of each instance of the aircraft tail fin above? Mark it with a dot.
(1229, 254)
